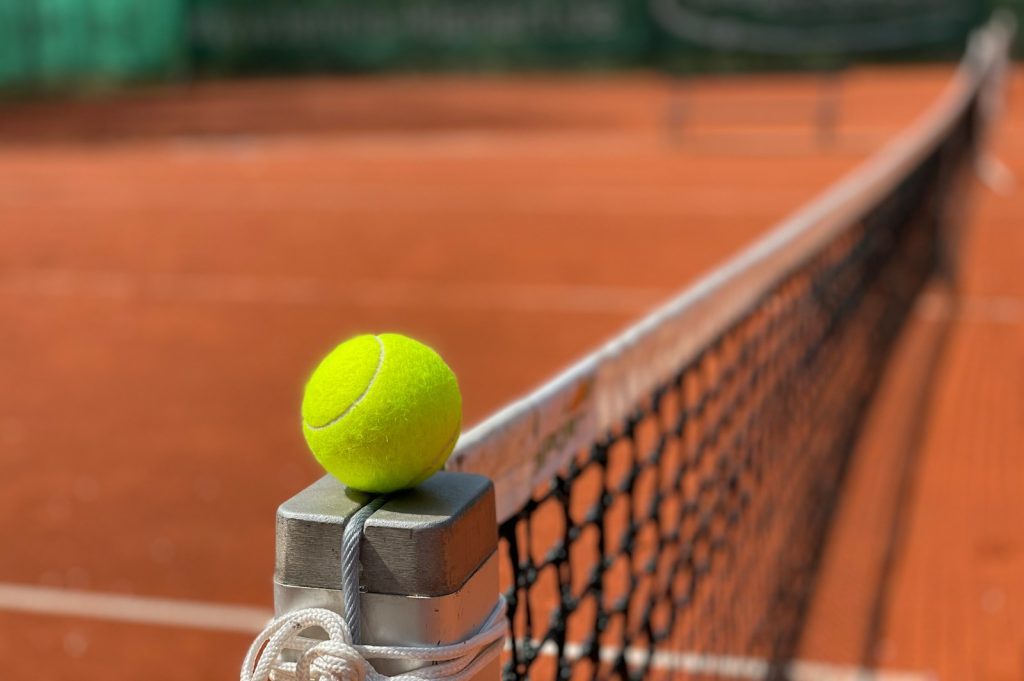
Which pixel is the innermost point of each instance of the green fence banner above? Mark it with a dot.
(61, 44)
(850, 27)
(229, 35)
(56, 43)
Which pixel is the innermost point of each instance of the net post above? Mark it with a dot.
(428, 562)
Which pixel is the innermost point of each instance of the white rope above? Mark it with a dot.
(338, 659)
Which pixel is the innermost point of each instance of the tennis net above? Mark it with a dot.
(663, 504)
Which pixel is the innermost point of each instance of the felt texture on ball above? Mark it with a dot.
(382, 413)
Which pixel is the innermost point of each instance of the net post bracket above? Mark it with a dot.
(428, 562)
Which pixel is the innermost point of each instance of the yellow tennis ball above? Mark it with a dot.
(382, 413)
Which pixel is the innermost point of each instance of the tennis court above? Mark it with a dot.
(190, 278)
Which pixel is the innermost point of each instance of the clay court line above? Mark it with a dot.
(283, 290)
(242, 289)
(736, 667)
(684, 207)
(797, 139)
(133, 609)
(202, 616)
(976, 309)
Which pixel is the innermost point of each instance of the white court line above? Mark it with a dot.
(202, 616)
(685, 207)
(285, 290)
(488, 143)
(243, 289)
(739, 668)
(976, 309)
(169, 612)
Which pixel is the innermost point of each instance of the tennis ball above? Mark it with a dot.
(382, 413)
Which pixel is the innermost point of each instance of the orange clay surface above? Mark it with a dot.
(174, 262)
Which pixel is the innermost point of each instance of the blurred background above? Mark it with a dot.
(77, 46)
(200, 198)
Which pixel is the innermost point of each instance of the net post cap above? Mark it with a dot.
(427, 541)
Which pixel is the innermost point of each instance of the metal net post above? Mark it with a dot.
(428, 562)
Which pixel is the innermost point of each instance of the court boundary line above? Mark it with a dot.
(148, 610)
(972, 309)
(737, 667)
(243, 619)
(241, 289)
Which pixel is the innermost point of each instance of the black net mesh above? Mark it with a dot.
(685, 542)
